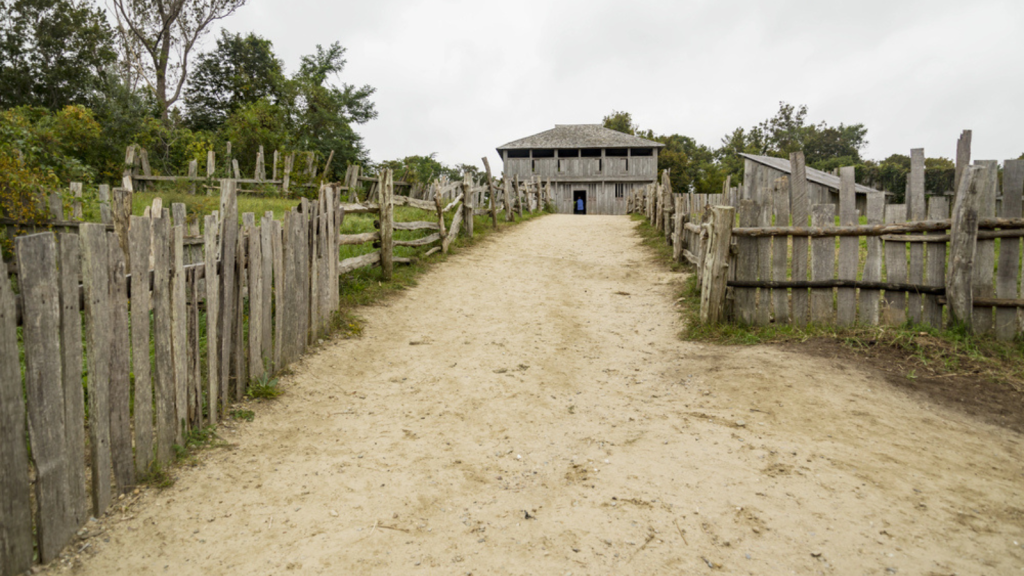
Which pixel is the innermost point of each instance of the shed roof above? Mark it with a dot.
(813, 175)
(581, 136)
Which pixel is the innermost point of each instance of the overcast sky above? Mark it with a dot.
(460, 78)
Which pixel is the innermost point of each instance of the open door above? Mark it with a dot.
(579, 202)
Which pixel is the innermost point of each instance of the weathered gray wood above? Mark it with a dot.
(419, 241)
(314, 273)
(76, 206)
(1007, 323)
(280, 287)
(846, 298)
(213, 290)
(178, 214)
(302, 275)
(15, 511)
(716, 265)
(764, 263)
(746, 264)
(95, 266)
(289, 296)
(193, 173)
(837, 283)
(800, 207)
(211, 163)
(129, 168)
(869, 299)
(916, 212)
(823, 258)
(179, 337)
(228, 286)
(963, 158)
(355, 239)
(780, 250)
(256, 304)
(240, 346)
(963, 247)
(71, 372)
(349, 264)
(468, 203)
(289, 163)
(507, 196)
(234, 167)
(985, 257)
(195, 378)
(163, 330)
(139, 234)
(119, 397)
(938, 207)
(453, 233)
(420, 225)
(387, 218)
(267, 283)
(895, 268)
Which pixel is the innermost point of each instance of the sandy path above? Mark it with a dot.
(541, 374)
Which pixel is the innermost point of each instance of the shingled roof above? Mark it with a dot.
(813, 175)
(580, 136)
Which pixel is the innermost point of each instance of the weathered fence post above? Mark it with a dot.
(490, 192)
(468, 203)
(962, 247)
(37, 281)
(387, 223)
(716, 265)
(139, 233)
(15, 503)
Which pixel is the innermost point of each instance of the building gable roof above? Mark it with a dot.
(580, 136)
(813, 175)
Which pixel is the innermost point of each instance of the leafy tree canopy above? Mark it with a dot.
(240, 70)
(53, 53)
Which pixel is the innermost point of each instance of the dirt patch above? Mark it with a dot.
(970, 392)
(554, 425)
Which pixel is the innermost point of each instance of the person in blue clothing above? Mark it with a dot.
(579, 204)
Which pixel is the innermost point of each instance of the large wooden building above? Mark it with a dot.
(591, 168)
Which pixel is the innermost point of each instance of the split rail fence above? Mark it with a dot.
(777, 258)
(138, 331)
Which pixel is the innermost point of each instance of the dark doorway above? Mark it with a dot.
(579, 202)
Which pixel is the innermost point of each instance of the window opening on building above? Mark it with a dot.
(641, 152)
(518, 153)
(590, 152)
(620, 190)
(619, 152)
(533, 165)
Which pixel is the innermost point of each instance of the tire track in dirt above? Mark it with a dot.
(529, 409)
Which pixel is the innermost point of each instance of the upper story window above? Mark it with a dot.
(518, 153)
(641, 152)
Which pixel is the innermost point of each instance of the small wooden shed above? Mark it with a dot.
(824, 187)
(591, 168)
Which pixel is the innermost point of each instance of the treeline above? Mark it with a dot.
(702, 169)
(76, 90)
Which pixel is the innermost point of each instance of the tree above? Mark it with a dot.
(323, 114)
(241, 70)
(165, 32)
(53, 53)
(621, 122)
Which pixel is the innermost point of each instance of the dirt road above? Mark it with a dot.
(529, 409)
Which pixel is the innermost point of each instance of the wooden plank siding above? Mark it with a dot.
(598, 176)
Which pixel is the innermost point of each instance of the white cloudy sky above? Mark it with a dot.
(460, 78)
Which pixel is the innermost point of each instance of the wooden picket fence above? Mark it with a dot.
(219, 307)
(786, 261)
